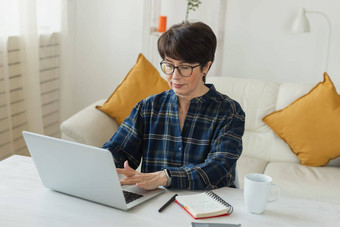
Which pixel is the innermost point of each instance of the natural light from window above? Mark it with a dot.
(48, 16)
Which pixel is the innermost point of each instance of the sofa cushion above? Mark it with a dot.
(89, 126)
(289, 92)
(247, 164)
(319, 183)
(142, 81)
(311, 124)
(267, 146)
(256, 97)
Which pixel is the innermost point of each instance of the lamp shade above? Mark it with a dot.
(301, 23)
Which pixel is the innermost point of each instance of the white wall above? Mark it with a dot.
(107, 36)
(106, 39)
(260, 44)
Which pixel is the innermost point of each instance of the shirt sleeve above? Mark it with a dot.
(126, 143)
(218, 170)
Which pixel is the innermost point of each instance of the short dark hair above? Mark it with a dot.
(188, 42)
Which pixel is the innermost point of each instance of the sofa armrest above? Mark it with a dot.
(89, 126)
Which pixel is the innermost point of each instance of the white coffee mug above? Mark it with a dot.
(257, 189)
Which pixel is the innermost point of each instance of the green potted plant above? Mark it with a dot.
(192, 5)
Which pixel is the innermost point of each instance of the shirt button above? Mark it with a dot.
(180, 149)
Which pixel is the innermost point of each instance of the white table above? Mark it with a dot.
(24, 201)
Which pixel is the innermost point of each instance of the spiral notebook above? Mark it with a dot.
(204, 205)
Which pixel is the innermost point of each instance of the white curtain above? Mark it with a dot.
(30, 32)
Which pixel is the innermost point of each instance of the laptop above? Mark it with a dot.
(82, 171)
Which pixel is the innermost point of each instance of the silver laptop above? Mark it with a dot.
(83, 171)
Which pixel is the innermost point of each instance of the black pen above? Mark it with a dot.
(167, 203)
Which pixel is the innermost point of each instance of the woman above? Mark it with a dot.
(190, 136)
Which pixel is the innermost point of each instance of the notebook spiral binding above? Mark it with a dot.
(220, 200)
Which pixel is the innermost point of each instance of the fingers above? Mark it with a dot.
(135, 178)
(127, 171)
(126, 165)
(147, 181)
(128, 168)
(129, 180)
(153, 181)
(131, 175)
(120, 170)
(148, 185)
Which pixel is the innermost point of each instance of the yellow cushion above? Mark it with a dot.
(311, 124)
(142, 81)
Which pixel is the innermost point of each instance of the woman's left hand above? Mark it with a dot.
(147, 181)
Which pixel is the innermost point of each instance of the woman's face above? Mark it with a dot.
(188, 87)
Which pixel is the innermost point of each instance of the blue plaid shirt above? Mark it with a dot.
(202, 156)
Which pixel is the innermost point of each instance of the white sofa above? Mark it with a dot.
(263, 151)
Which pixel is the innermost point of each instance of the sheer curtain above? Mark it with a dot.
(30, 32)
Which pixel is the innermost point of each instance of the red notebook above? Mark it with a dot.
(204, 205)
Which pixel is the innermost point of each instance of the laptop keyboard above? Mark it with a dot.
(131, 196)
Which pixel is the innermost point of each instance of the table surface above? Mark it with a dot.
(24, 201)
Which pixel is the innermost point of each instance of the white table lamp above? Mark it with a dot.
(301, 25)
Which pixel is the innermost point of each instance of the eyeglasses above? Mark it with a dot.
(184, 70)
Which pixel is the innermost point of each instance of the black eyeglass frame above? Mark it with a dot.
(177, 67)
